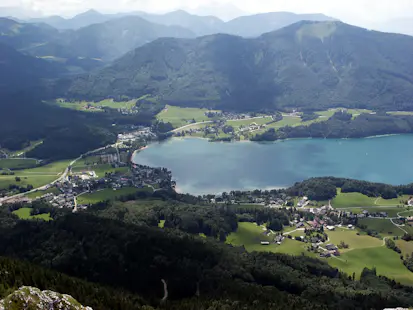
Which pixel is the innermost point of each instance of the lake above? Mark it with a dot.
(202, 167)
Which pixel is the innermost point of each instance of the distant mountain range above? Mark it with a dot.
(95, 39)
(311, 65)
(89, 47)
(224, 11)
(252, 25)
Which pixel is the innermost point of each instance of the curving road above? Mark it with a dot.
(62, 177)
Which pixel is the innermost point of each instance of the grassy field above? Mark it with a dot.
(107, 194)
(329, 113)
(351, 238)
(181, 116)
(24, 214)
(391, 211)
(16, 163)
(250, 235)
(392, 202)
(401, 113)
(247, 122)
(161, 224)
(345, 200)
(38, 194)
(405, 247)
(90, 106)
(386, 261)
(99, 169)
(37, 177)
(382, 226)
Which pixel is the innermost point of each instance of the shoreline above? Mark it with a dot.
(178, 189)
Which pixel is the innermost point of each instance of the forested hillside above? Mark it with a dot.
(20, 72)
(88, 47)
(116, 37)
(198, 272)
(309, 65)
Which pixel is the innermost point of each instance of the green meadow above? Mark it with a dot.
(24, 214)
(178, 116)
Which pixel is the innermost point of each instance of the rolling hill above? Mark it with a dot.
(21, 72)
(116, 37)
(247, 26)
(256, 25)
(311, 65)
(88, 47)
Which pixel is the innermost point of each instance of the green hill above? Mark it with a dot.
(21, 72)
(313, 65)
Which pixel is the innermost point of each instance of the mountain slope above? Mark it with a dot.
(200, 25)
(21, 72)
(81, 20)
(311, 65)
(116, 37)
(88, 46)
(255, 25)
(24, 36)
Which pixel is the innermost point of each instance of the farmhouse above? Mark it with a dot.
(331, 247)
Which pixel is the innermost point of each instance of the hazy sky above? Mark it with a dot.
(353, 11)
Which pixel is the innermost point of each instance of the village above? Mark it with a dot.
(229, 123)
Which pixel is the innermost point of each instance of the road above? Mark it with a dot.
(62, 177)
(209, 122)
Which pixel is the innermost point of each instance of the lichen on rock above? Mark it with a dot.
(31, 298)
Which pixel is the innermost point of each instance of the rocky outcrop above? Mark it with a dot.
(32, 298)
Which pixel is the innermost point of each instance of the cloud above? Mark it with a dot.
(360, 11)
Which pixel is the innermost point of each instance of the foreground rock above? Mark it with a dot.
(32, 298)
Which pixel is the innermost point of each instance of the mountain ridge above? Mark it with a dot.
(305, 65)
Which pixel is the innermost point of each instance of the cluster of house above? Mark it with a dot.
(63, 200)
(142, 132)
(364, 214)
(229, 116)
(329, 250)
(156, 177)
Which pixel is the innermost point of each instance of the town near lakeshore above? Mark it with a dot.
(347, 228)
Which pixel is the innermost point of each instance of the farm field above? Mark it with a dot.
(364, 251)
(382, 226)
(345, 200)
(405, 247)
(90, 106)
(24, 214)
(401, 113)
(37, 194)
(17, 163)
(247, 122)
(99, 169)
(250, 235)
(107, 194)
(178, 116)
(37, 177)
(386, 261)
(351, 238)
(391, 211)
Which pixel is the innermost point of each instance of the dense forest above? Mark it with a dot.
(198, 272)
(65, 133)
(342, 125)
(325, 188)
(307, 65)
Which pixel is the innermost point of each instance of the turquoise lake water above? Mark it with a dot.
(202, 167)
